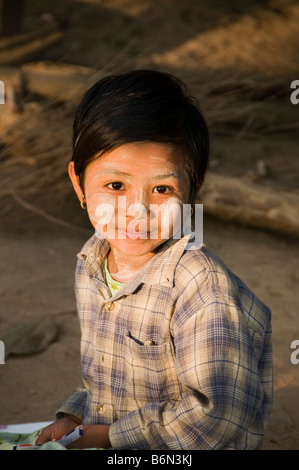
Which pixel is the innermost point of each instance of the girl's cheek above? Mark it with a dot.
(166, 218)
(101, 212)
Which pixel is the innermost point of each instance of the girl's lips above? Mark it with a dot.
(136, 236)
(133, 235)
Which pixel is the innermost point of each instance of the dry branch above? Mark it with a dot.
(62, 82)
(238, 200)
(21, 47)
(55, 82)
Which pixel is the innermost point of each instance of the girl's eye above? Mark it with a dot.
(161, 189)
(116, 185)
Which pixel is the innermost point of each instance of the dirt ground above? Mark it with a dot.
(239, 58)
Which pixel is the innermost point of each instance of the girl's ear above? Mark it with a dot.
(75, 181)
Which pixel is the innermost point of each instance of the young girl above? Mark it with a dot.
(176, 350)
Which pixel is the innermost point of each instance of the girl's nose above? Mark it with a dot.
(138, 204)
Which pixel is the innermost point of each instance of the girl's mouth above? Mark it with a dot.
(126, 234)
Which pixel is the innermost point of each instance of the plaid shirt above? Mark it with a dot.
(179, 358)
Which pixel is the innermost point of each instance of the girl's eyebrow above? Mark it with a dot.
(115, 172)
(173, 174)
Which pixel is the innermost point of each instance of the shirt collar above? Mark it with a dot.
(159, 270)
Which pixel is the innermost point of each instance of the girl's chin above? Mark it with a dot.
(136, 247)
(121, 235)
(133, 242)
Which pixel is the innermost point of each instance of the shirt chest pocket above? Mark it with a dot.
(149, 372)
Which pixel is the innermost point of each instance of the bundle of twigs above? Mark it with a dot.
(34, 157)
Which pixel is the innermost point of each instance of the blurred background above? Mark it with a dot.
(239, 59)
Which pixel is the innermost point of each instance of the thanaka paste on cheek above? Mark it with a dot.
(166, 219)
(101, 212)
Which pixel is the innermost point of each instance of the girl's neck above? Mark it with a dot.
(123, 268)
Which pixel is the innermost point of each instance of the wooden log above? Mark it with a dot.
(23, 47)
(62, 82)
(238, 200)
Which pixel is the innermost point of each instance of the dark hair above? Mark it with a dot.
(139, 106)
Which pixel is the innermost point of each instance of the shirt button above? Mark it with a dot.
(101, 409)
(110, 306)
(148, 343)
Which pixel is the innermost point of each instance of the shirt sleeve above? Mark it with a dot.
(74, 405)
(223, 391)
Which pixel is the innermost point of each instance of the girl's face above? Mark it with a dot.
(134, 195)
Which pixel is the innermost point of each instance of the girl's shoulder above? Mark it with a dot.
(204, 271)
(202, 261)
